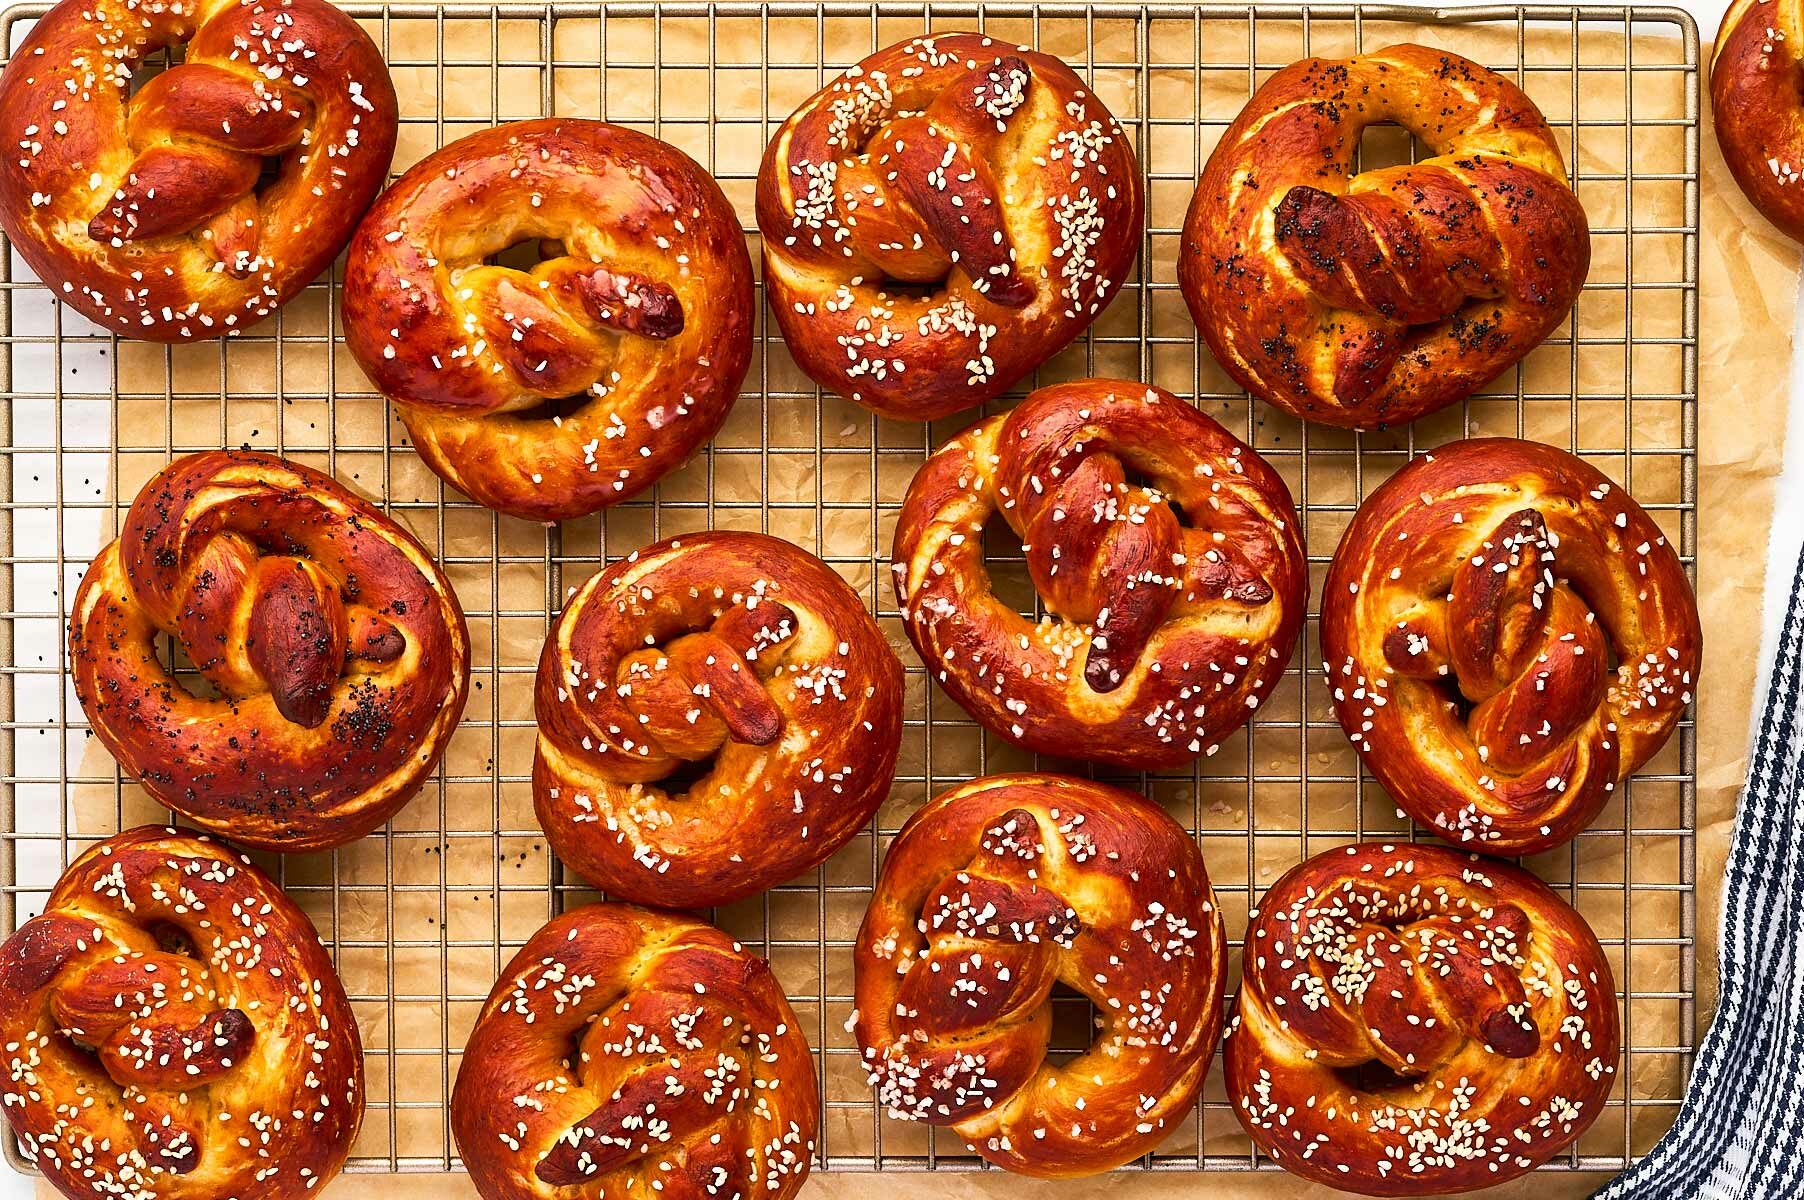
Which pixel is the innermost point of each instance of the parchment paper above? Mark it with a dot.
(783, 469)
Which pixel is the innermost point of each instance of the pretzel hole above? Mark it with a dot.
(1138, 479)
(180, 667)
(688, 773)
(1006, 561)
(173, 939)
(524, 254)
(1388, 144)
(1074, 1025)
(1375, 1078)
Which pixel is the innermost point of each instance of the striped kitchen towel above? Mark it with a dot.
(1740, 1126)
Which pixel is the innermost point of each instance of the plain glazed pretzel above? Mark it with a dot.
(1166, 552)
(717, 713)
(1507, 636)
(335, 648)
(632, 1053)
(1757, 99)
(149, 212)
(174, 1030)
(1369, 299)
(943, 218)
(552, 392)
(1416, 1021)
(990, 895)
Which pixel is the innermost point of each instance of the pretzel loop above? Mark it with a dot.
(1757, 100)
(168, 1000)
(992, 895)
(337, 649)
(1468, 625)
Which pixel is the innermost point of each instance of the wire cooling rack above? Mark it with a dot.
(421, 917)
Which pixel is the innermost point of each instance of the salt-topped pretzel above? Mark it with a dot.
(1166, 551)
(173, 1030)
(943, 218)
(639, 312)
(335, 646)
(990, 895)
(1369, 299)
(153, 212)
(626, 1052)
(1757, 99)
(1507, 636)
(1417, 1021)
(717, 713)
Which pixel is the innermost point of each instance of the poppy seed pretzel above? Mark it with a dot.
(174, 1030)
(146, 211)
(735, 655)
(627, 1052)
(1469, 622)
(641, 305)
(1417, 1021)
(1370, 299)
(992, 893)
(943, 218)
(336, 646)
(1757, 100)
(1164, 632)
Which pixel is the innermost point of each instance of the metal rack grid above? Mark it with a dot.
(421, 916)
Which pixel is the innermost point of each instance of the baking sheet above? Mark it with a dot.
(423, 916)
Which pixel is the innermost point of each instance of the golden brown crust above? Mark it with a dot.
(1163, 634)
(1416, 1021)
(733, 650)
(627, 1052)
(642, 305)
(337, 649)
(943, 218)
(1757, 99)
(1370, 299)
(143, 210)
(175, 1031)
(992, 893)
(1468, 624)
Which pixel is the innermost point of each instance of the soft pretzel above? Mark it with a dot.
(1417, 1021)
(990, 895)
(626, 1052)
(1757, 100)
(641, 305)
(174, 1030)
(150, 212)
(1469, 622)
(1369, 299)
(336, 647)
(717, 713)
(1166, 552)
(942, 219)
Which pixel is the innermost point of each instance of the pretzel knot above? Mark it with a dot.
(1469, 622)
(1412, 1020)
(992, 894)
(625, 1052)
(1371, 298)
(1757, 98)
(553, 391)
(337, 650)
(717, 713)
(173, 1028)
(1166, 550)
(943, 218)
(151, 211)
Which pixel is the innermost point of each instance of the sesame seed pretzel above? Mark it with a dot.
(717, 713)
(639, 311)
(174, 1030)
(335, 647)
(1470, 622)
(1416, 1021)
(990, 895)
(1166, 551)
(1369, 299)
(149, 212)
(1757, 99)
(625, 1052)
(943, 218)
